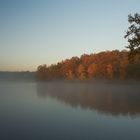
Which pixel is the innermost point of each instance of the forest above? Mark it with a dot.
(104, 65)
(109, 65)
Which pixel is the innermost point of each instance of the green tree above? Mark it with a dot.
(133, 36)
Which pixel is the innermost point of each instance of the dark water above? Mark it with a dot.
(69, 111)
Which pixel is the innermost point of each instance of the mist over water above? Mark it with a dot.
(113, 99)
(69, 110)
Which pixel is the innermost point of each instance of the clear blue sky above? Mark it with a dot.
(34, 32)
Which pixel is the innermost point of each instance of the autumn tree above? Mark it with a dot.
(133, 36)
(109, 70)
(103, 65)
(81, 72)
(41, 72)
(69, 75)
(70, 66)
(123, 65)
(92, 69)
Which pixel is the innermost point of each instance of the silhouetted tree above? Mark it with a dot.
(133, 36)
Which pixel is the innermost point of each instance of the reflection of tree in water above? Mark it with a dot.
(112, 99)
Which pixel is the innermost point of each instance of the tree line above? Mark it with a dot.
(104, 65)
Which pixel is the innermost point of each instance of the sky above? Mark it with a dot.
(35, 32)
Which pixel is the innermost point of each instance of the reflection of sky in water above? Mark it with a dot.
(24, 115)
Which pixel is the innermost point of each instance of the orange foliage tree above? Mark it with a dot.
(104, 65)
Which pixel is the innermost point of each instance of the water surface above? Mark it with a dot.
(69, 111)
